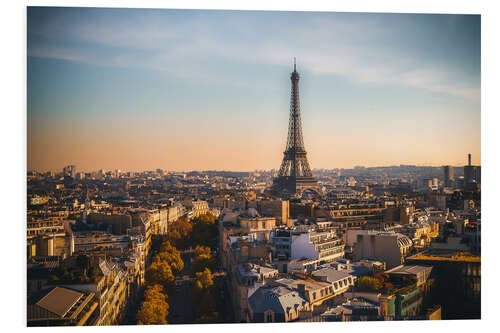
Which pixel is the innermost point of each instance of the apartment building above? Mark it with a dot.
(298, 244)
(49, 237)
(390, 247)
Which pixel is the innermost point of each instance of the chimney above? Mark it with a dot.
(469, 159)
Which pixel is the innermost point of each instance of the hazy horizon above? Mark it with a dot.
(141, 89)
(254, 170)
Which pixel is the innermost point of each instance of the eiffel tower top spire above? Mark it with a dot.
(295, 140)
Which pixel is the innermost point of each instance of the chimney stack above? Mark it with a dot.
(470, 160)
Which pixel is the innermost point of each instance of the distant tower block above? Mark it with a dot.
(449, 175)
(469, 171)
(295, 174)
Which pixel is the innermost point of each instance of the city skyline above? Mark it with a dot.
(60, 169)
(208, 90)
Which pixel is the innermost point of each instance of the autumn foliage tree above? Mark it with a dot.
(160, 272)
(179, 233)
(160, 277)
(202, 259)
(201, 251)
(205, 230)
(171, 255)
(203, 296)
(369, 283)
(154, 309)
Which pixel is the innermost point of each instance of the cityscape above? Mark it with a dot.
(189, 244)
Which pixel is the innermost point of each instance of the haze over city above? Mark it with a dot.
(137, 89)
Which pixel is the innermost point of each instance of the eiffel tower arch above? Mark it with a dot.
(295, 174)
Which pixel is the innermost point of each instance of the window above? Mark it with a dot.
(314, 295)
(268, 316)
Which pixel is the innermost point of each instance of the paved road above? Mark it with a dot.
(186, 258)
(181, 307)
(182, 311)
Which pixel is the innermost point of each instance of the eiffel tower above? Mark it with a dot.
(295, 175)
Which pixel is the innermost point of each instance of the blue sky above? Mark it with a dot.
(138, 89)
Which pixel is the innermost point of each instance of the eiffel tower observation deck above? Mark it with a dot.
(295, 175)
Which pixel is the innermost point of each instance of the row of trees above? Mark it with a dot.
(200, 233)
(154, 309)
(204, 290)
(202, 230)
(160, 279)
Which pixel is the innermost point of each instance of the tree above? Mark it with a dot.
(205, 229)
(203, 294)
(179, 233)
(202, 251)
(369, 283)
(202, 258)
(206, 219)
(203, 280)
(171, 255)
(83, 262)
(154, 309)
(160, 272)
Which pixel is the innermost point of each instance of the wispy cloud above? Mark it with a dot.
(359, 49)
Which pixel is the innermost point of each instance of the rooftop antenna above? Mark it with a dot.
(294, 65)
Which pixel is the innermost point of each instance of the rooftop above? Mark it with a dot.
(60, 300)
(331, 274)
(277, 298)
(408, 269)
(309, 284)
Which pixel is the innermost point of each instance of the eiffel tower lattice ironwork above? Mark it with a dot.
(295, 174)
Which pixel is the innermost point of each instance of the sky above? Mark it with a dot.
(140, 89)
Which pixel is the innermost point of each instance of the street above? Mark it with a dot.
(181, 306)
